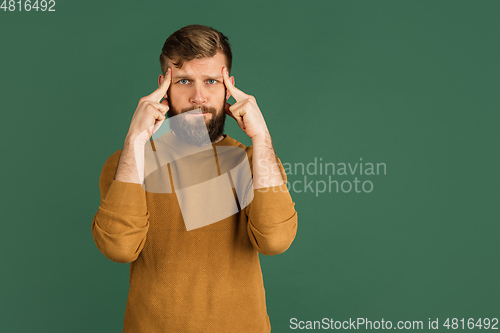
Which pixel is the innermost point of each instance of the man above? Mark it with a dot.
(206, 278)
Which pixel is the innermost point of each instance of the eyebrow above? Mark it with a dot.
(205, 76)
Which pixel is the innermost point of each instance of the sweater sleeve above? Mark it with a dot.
(121, 223)
(272, 219)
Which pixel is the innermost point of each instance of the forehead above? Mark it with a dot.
(203, 66)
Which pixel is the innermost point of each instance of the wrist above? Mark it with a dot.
(131, 140)
(263, 138)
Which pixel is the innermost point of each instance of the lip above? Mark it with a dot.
(200, 114)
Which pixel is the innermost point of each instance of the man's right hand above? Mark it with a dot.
(150, 113)
(148, 117)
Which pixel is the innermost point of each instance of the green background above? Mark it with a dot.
(413, 84)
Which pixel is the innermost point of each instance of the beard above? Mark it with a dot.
(195, 132)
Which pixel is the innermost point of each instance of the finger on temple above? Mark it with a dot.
(235, 92)
(159, 93)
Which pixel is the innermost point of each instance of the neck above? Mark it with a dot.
(219, 139)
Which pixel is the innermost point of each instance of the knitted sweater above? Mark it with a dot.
(203, 280)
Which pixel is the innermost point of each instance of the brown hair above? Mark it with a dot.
(194, 41)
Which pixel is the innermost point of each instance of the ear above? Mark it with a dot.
(228, 94)
(160, 79)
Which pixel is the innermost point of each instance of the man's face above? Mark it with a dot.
(199, 84)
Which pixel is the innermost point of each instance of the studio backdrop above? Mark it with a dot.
(384, 115)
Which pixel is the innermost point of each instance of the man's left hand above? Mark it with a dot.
(245, 111)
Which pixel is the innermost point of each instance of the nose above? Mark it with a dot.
(198, 94)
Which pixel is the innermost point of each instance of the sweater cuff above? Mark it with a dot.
(128, 198)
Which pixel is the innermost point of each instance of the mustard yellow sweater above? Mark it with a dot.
(203, 280)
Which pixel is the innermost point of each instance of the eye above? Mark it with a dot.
(211, 81)
(183, 81)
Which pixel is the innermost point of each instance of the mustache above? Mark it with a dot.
(204, 109)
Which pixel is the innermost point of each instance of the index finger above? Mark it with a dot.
(235, 92)
(160, 92)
